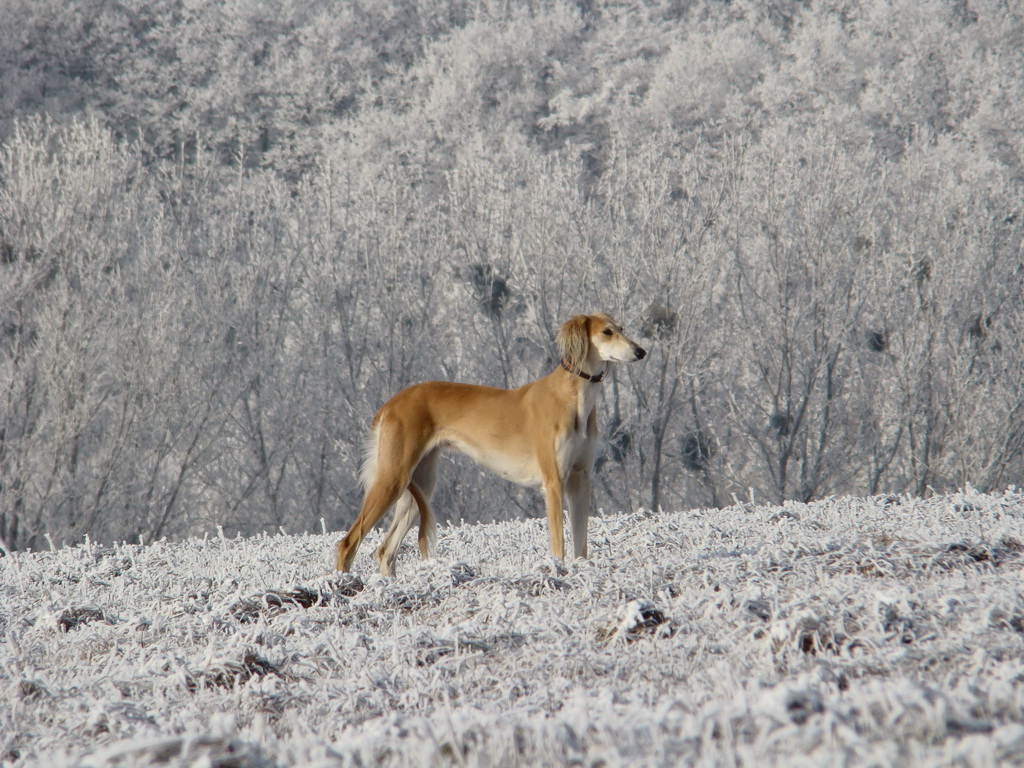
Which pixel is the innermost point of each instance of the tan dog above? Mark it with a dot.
(541, 434)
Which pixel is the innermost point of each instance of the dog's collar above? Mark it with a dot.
(596, 378)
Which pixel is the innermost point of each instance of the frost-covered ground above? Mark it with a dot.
(847, 632)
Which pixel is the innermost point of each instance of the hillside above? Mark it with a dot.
(852, 631)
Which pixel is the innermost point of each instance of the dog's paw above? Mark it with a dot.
(552, 566)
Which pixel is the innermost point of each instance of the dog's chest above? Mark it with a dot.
(575, 448)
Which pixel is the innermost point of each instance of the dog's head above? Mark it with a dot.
(586, 340)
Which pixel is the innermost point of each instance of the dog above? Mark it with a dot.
(542, 434)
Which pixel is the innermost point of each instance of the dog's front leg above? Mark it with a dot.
(553, 498)
(577, 491)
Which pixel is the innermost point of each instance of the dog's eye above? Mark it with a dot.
(607, 331)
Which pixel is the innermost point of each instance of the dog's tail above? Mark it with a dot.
(371, 447)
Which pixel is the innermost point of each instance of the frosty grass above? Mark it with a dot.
(880, 631)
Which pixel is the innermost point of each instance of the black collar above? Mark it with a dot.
(596, 378)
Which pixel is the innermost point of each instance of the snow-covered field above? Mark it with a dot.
(847, 632)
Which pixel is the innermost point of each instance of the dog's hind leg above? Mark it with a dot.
(392, 470)
(416, 499)
(379, 498)
(425, 479)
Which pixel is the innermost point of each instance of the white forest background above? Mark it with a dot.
(229, 231)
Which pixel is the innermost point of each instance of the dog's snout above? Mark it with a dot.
(641, 353)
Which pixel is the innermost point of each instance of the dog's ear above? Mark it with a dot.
(574, 341)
